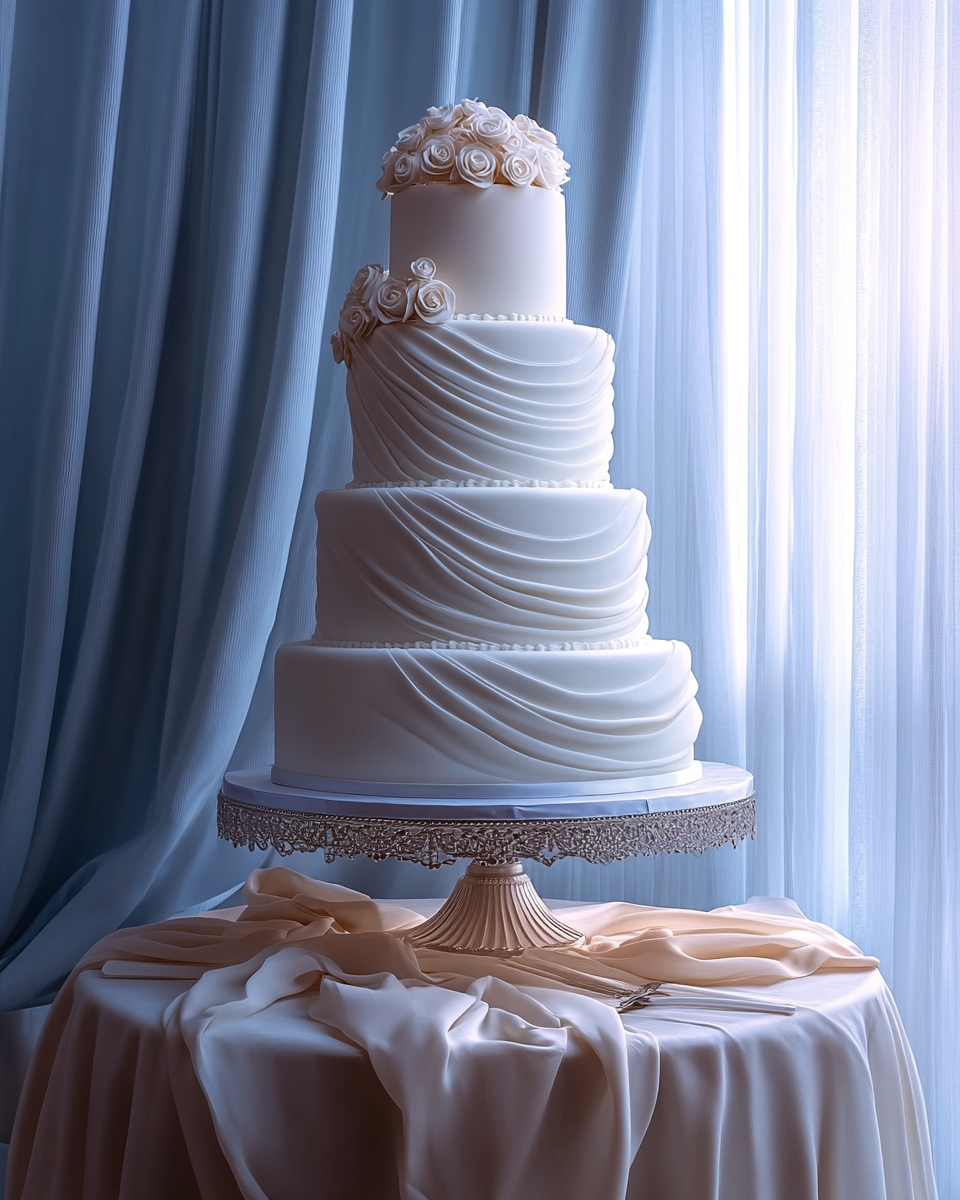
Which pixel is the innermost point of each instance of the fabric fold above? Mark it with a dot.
(541, 1089)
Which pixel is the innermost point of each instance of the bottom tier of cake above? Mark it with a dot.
(475, 717)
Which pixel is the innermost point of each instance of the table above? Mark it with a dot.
(824, 1104)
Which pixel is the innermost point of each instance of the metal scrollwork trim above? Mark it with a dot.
(441, 843)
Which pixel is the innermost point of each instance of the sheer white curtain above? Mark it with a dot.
(840, 160)
(788, 399)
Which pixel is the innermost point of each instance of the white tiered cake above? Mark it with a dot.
(481, 586)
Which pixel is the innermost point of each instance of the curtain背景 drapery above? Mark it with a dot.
(186, 189)
(788, 398)
(761, 211)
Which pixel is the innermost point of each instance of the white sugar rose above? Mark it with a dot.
(470, 108)
(434, 302)
(355, 319)
(439, 118)
(552, 168)
(520, 169)
(462, 136)
(536, 133)
(423, 268)
(492, 127)
(477, 165)
(409, 139)
(385, 182)
(393, 300)
(406, 171)
(336, 341)
(365, 282)
(438, 156)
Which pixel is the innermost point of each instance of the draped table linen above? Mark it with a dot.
(477, 1077)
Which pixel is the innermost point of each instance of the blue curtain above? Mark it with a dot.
(186, 191)
(761, 211)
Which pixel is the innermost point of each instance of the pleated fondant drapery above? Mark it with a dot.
(760, 212)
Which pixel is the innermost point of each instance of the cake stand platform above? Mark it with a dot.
(494, 908)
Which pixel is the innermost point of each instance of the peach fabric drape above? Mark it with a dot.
(539, 1086)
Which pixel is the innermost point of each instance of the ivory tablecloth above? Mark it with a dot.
(252, 1082)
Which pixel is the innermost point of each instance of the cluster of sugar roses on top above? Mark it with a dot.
(377, 297)
(471, 143)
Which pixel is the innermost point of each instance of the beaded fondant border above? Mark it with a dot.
(440, 843)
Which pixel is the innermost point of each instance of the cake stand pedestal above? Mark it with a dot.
(494, 908)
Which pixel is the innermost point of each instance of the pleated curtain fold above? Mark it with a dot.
(187, 190)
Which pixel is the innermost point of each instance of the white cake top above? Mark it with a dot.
(491, 245)
(471, 143)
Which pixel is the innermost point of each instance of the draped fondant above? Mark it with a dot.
(398, 565)
(466, 716)
(481, 586)
(484, 401)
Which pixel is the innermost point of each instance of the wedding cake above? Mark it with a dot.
(481, 586)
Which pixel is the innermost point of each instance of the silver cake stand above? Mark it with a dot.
(494, 907)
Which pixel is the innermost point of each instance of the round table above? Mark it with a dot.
(821, 1105)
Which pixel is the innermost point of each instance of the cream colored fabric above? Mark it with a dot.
(824, 1105)
(541, 1089)
(475, 1069)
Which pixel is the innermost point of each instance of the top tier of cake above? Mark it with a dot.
(501, 249)
(478, 193)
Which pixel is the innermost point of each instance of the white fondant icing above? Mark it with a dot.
(481, 612)
(439, 717)
(481, 565)
(507, 317)
(626, 643)
(501, 249)
(482, 401)
(495, 483)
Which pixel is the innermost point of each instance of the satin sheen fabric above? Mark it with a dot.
(544, 1091)
(818, 1106)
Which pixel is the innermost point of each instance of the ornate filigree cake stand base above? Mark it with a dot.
(494, 908)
